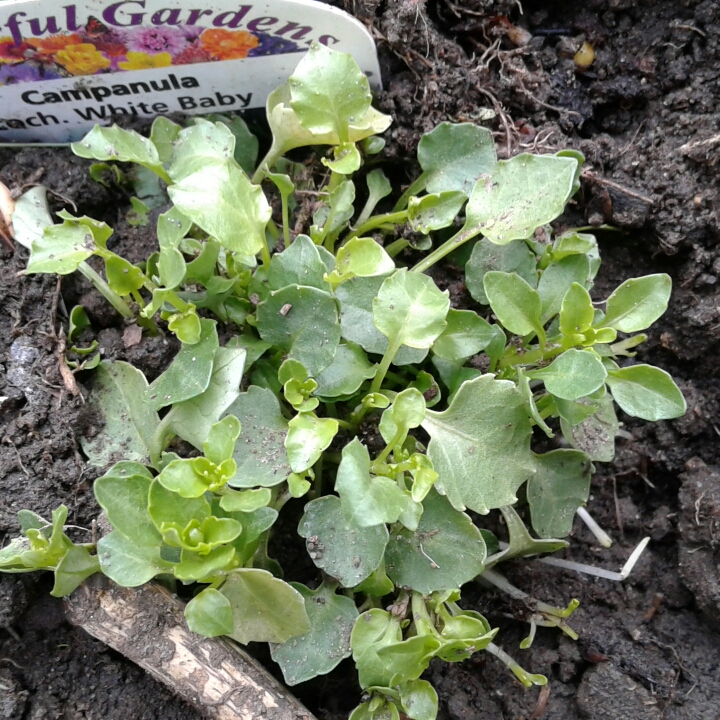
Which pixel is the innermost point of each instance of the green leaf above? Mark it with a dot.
(595, 435)
(247, 501)
(444, 553)
(200, 145)
(638, 303)
(246, 144)
(130, 424)
(299, 264)
(366, 500)
(189, 373)
(516, 305)
(480, 445)
(221, 439)
(337, 545)
(360, 257)
(168, 508)
(221, 200)
(62, 248)
(264, 608)
(128, 564)
(434, 212)
(523, 385)
(373, 630)
(192, 419)
(577, 311)
(356, 319)
(172, 227)
(419, 700)
(76, 565)
(180, 477)
(329, 91)
(514, 257)
(77, 322)
(347, 372)
(321, 649)
(123, 277)
(454, 156)
(125, 502)
(260, 451)
(114, 143)
(646, 392)
(186, 326)
(554, 493)
(572, 375)
(31, 216)
(206, 566)
(304, 321)
(346, 159)
(520, 195)
(378, 187)
(409, 659)
(163, 135)
(466, 334)
(573, 243)
(557, 280)
(209, 614)
(377, 585)
(308, 436)
(410, 309)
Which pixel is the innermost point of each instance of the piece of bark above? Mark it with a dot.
(147, 625)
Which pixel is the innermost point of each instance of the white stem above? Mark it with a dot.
(600, 572)
(603, 538)
(502, 583)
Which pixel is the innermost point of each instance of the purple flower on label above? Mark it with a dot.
(273, 46)
(157, 40)
(25, 72)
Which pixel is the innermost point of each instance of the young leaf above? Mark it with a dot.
(594, 435)
(130, 423)
(76, 565)
(329, 92)
(209, 614)
(246, 144)
(466, 334)
(327, 642)
(577, 312)
(514, 257)
(127, 563)
(299, 264)
(638, 303)
(646, 392)
(361, 257)
(189, 373)
(454, 156)
(378, 188)
(221, 200)
(192, 419)
(366, 500)
(346, 159)
(406, 412)
(125, 502)
(163, 135)
(516, 305)
(434, 212)
(31, 216)
(203, 567)
(346, 373)
(480, 445)
(304, 321)
(419, 700)
(572, 375)
(264, 608)
(356, 319)
(247, 501)
(572, 243)
(519, 196)
(337, 545)
(554, 493)
(114, 143)
(307, 437)
(444, 553)
(556, 281)
(172, 227)
(410, 309)
(200, 145)
(221, 439)
(260, 451)
(166, 507)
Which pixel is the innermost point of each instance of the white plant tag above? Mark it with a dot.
(67, 67)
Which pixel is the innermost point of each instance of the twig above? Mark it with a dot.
(589, 175)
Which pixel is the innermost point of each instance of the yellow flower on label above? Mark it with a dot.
(145, 61)
(82, 59)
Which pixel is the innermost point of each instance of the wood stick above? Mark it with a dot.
(147, 626)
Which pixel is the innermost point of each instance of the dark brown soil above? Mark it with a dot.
(647, 118)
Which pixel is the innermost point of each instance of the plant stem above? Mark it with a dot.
(446, 248)
(105, 290)
(388, 357)
(414, 188)
(602, 537)
(396, 247)
(394, 218)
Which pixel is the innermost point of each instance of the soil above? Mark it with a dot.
(645, 114)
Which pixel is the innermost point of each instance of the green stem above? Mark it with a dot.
(394, 218)
(396, 247)
(286, 219)
(105, 290)
(414, 188)
(446, 248)
(265, 254)
(397, 438)
(388, 357)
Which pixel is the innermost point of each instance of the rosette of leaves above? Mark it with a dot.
(349, 384)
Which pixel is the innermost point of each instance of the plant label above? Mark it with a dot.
(65, 67)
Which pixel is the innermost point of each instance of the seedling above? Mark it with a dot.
(336, 338)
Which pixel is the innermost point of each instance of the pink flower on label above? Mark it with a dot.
(153, 40)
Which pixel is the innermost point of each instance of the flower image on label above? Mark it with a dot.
(65, 68)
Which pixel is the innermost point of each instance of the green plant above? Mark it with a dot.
(338, 339)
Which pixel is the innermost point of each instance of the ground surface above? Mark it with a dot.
(646, 116)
